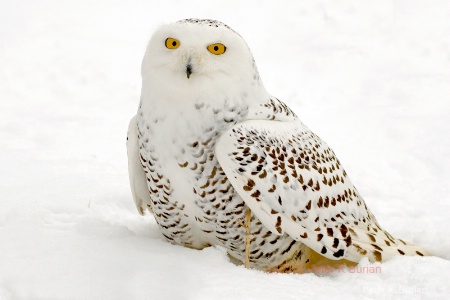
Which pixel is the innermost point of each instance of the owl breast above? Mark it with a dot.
(185, 181)
(194, 203)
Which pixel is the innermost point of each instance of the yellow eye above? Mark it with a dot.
(172, 43)
(217, 49)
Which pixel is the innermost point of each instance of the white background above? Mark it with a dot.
(371, 78)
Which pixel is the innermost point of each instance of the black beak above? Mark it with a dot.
(188, 70)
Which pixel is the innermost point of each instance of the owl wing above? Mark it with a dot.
(138, 180)
(293, 182)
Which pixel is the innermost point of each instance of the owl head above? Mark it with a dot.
(198, 53)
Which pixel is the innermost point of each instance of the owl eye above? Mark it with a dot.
(217, 49)
(172, 43)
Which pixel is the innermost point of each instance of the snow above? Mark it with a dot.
(371, 78)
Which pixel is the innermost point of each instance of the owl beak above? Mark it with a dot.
(188, 70)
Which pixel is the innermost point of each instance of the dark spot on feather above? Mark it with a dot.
(330, 231)
(317, 187)
(344, 230)
(339, 253)
(377, 247)
(378, 256)
(256, 194)
(348, 241)
(308, 206)
(360, 250)
(289, 247)
(278, 224)
(335, 243)
(263, 174)
(333, 201)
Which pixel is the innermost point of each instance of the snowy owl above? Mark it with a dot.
(210, 148)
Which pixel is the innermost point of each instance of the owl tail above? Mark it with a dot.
(383, 248)
(378, 245)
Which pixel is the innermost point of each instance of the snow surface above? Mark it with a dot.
(372, 78)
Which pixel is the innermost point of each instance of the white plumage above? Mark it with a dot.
(208, 141)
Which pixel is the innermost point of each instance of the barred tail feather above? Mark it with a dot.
(379, 245)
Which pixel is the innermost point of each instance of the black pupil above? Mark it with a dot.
(216, 48)
(174, 43)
